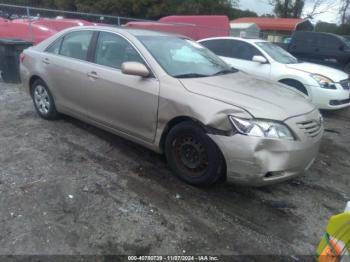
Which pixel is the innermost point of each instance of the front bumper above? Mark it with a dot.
(258, 161)
(331, 99)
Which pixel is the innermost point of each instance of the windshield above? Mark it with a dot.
(346, 40)
(184, 58)
(277, 53)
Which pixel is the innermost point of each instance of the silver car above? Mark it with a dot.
(172, 95)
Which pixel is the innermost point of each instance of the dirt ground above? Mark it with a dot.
(69, 188)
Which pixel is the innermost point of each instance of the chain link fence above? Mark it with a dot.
(17, 12)
(28, 19)
(32, 17)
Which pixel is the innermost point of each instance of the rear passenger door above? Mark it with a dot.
(126, 103)
(66, 65)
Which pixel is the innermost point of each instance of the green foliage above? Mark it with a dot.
(148, 9)
(333, 28)
(237, 13)
(288, 8)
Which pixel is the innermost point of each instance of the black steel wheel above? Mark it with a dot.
(192, 155)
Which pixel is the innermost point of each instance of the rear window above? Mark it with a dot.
(76, 44)
(55, 47)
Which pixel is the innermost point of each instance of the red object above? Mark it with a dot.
(277, 24)
(39, 30)
(195, 27)
(22, 57)
(58, 24)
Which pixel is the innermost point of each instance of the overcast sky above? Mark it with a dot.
(262, 7)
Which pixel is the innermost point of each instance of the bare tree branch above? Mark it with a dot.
(345, 4)
(320, 7)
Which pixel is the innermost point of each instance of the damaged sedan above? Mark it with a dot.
(174, 96)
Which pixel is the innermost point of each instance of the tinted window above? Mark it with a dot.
(113, 50)
(76, 44)
(243, 50)
(302, 41)
(220, 47)
(328, 42)
(55, 47)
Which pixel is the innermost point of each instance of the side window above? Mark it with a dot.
(113, 50)
(220, 47)
(76, 44)
(243, 50)
(55, 47)
(328, 43)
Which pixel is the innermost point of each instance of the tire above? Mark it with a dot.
(295, 84)
(193, 156)
(43, 101)
(346, 68)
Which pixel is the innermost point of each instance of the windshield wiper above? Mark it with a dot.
(226, 71)
(190, 75)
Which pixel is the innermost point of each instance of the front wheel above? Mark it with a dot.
(193, 156)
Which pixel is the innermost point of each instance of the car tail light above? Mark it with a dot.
(22, 57)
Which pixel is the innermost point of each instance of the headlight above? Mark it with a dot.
(324, 82)
(262, 128)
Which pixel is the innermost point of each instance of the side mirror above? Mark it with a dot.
(259, 59)
(341, 48)
(135, 69)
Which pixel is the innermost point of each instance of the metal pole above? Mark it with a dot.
(119, 20)
(30, 30)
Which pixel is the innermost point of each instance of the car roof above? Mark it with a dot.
(133, 31)
(249, 40)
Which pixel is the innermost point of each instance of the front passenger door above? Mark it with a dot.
(242, 53)
(126, 103)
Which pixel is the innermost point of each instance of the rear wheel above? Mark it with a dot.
(295, 84)
(193, 156)
(43, 100)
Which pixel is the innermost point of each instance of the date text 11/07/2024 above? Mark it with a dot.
(173, 258)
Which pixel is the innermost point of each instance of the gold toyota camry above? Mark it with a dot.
(174, 96)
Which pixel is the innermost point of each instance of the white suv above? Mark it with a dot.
(326, 87)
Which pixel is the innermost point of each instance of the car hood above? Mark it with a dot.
(331, 73)
(262, 99)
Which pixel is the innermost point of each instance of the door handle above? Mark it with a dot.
(93, 75)
(46, 61)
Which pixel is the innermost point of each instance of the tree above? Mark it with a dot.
(319, 7)
(288, 8)
(149, 9)
(344, 8)
(237, 13)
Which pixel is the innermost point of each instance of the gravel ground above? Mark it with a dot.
(69, 188)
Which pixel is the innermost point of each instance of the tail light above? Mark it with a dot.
(22, 57)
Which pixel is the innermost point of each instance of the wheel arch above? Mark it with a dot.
(32, 79)
(298, 84)
(180, 119)
(173, 122)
